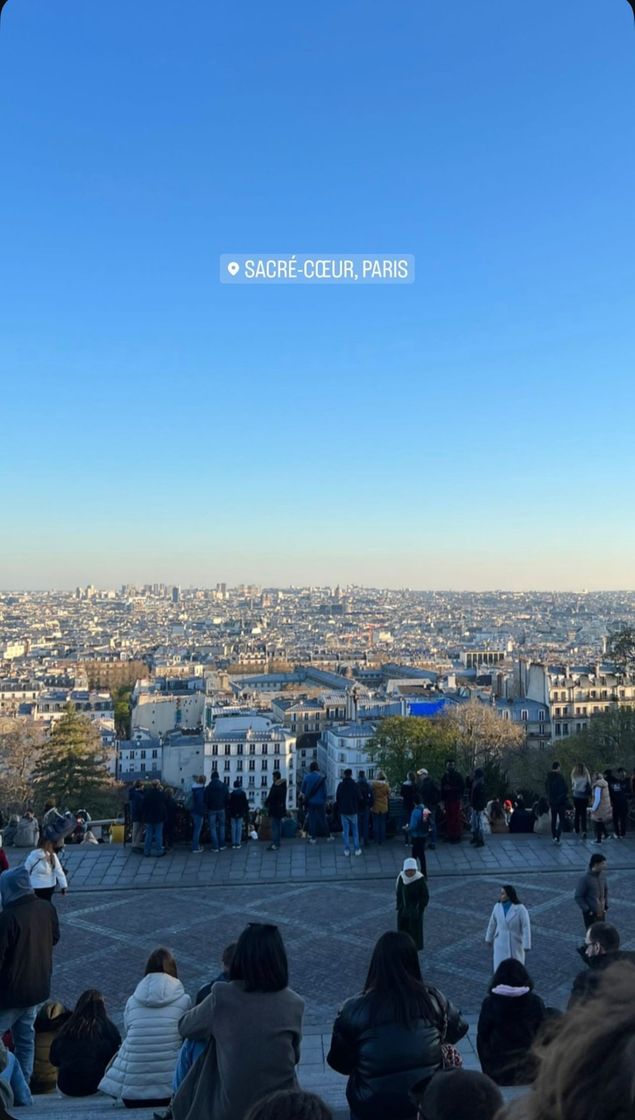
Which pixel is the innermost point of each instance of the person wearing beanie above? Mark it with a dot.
(412, 898)
(28, 931)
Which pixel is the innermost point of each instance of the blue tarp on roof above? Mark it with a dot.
(426, 708)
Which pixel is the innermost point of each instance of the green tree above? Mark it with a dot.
(122, 700)
(403, 743)
(20, 741)
(71, 768)
(621, 648)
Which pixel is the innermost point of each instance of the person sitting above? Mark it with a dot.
(252, 1028)
(190, 1051)
(49, 1021)
(12, 1078)
(600, 950)
(585, 1066)
(290, 1104)
(521, 820)
(140, 1074)
(511, 1016)
(27, 831)
(496, 816)
(458, 1094)
(84, 1046)
(389, 1038)
(542, 815)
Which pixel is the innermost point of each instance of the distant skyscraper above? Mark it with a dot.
(176, 594)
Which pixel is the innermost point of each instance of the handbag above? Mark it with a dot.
(450, 1056)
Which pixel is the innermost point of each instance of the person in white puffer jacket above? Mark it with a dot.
(140, 1074)
(45, 871)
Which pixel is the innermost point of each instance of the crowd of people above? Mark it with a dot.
(232, 1053)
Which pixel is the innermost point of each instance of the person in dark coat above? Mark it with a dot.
(389, 1038)
(592, 893)
(347, 802)
(557, 793)
(276, 806)
(408, 794)
(412, 898)
(135, 801)
(459, 1094)
(28, 931)
(618, 793)
(238, 813)
(216, 803)
(511, 1016)
(601, 949)
(84, 1046)
(522, 819)
(430, 794)
(452, 787)
(154, 815)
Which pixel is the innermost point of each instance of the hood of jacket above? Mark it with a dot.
(158, 990)
(15, 884)
(510, 992)
(51, 1017)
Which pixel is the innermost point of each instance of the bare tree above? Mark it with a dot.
(20, 744)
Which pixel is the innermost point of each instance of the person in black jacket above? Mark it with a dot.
(154, 814)
(557, 792)
(238, 812)
(389, 1038)
(28, 931)
(408, 794)
(601, 949)
(347, 801)
(618, 793)
(452, 787)
(276, 806)
(511, 1016)
(84, 1046)
(478, 801)
(216, 803)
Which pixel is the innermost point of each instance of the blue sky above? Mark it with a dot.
(472, 430)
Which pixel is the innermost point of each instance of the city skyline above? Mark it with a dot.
(471, 430)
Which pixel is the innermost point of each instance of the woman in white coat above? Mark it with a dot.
(140, 1074)
(45, 871)
(509, 930)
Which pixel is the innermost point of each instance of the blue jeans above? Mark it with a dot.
(349, 824)
(188, 1054)
(197, 824)
(317, 821)
(379, 827)
(276, 831)
(20, 1020)
(216, 818)
(154, 835)
(363, 824)
(237, 830)
(477, 825)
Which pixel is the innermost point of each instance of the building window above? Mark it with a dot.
(228, 749)
(214, 749)
(155, 754)
(227, 764)
(239, 749)
(263, 781)
(541, 715)
(252, 748)
(264, 763)
(558, 712)
(252, 780)
(142, 766)
(524, 714)
(558, 729)
(143, 754)
(252, 764)
(239, 764)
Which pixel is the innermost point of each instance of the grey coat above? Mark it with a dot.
(592, 893)
(253, 1048)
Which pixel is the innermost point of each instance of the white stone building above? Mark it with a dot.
(344, 747)
(251, 748)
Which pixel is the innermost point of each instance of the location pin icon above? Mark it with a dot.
(233, 268)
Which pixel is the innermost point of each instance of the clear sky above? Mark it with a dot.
(472, 430)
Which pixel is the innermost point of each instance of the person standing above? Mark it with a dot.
(580, 793)
(276, 806)
(379, 808)
(412, 898)
(618, 791)
(238, 813)
(196, 805)
(409, 796)
(419, 830)
(509, 928)
(431, 796)
(154, 814)
(478, 801)
(347, 801)
(592, 895)
(29, 929)
(556, 789)
(216, 803)
(45, 871)
(135, 801)
(600, 807)
(452, 787)
(314, 795)
(365, 797)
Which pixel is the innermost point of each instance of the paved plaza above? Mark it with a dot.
(330, 909)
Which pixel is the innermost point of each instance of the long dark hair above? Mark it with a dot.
(260, 960)
(394, 984)
(88, 1018)
(511, 894)
(513, 974)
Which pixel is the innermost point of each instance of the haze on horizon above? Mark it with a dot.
(471, 430)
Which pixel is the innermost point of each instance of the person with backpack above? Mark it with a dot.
(430, 793)
(195, 804)
(365, 800)
(478, 801)
(238, 813)
(314, 794)
(419, 831)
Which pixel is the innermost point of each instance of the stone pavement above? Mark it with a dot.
(330, 910)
